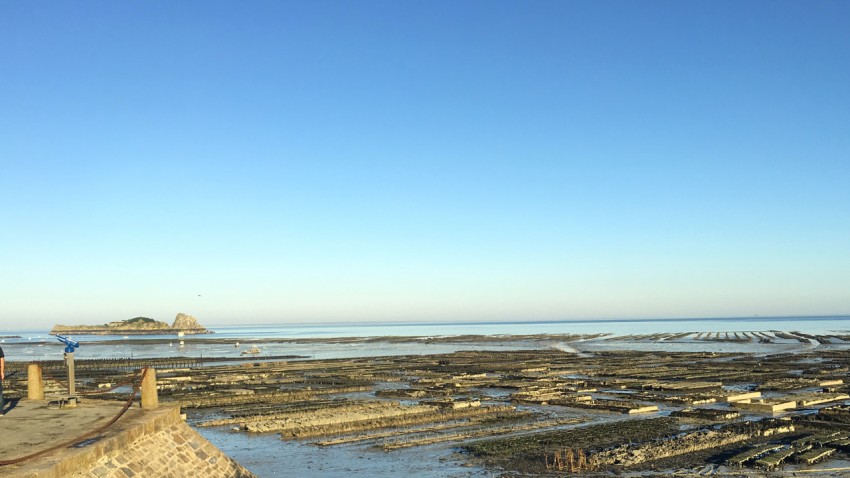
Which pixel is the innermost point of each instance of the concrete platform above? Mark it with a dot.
(141, 443)
(30, 426)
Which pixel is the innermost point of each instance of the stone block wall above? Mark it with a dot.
(174, 451)
(145, 443)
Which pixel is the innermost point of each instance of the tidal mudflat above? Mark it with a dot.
(745, 403)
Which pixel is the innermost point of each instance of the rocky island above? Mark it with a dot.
(183, 323)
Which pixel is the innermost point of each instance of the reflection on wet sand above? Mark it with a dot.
(542, 403)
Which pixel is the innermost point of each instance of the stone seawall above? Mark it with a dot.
(173, 451)
(155, 443)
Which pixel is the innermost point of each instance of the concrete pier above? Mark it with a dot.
(150, 397)
(141, 443)
(35, 382)
(72, 380)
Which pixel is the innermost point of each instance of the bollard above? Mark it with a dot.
(35, 383)
(72, 380)
(150, 398)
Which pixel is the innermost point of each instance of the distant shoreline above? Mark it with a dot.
(183, 324)
(223, 328)
(414, 323)
(108, 331)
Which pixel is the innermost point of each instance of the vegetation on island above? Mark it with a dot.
(137, 325)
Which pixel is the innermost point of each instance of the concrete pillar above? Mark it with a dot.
(72, 380)
(35, 382)
(150, 397)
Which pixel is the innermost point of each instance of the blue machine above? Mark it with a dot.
(71, 345)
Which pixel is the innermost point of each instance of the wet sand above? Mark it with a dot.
(493, 405)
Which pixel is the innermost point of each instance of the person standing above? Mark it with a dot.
(2, 377)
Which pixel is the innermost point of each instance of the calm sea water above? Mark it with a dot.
(39, 345)
(262, 453)
(814, 325)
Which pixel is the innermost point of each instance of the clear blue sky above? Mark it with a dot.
(397, 160)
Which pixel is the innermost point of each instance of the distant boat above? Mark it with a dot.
(252, 351)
